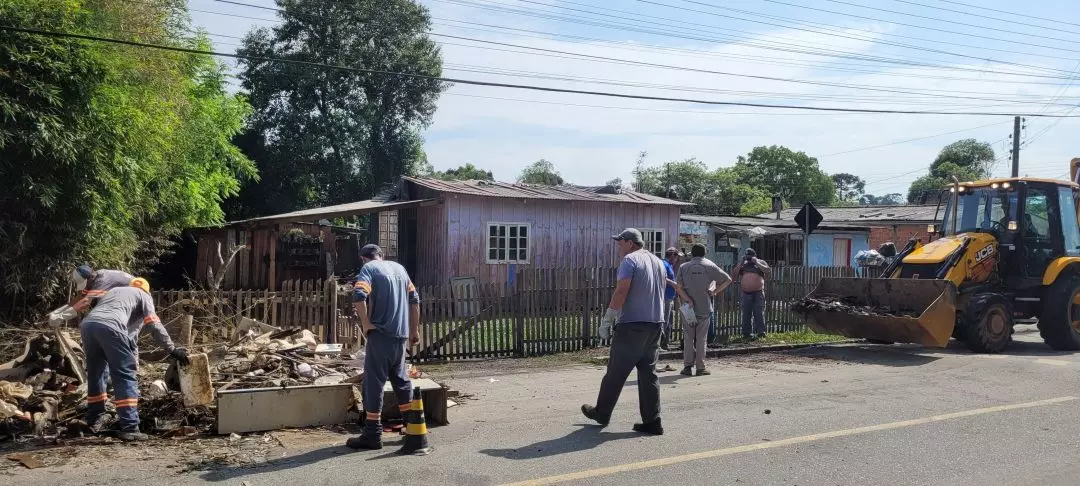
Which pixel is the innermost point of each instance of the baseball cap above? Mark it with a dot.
(631, 235)
(750, 252)
(370, 251)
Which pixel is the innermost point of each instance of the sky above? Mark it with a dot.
(922, 55)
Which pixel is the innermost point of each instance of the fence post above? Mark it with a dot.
(519, 316)
(586, 327)
(331, 315)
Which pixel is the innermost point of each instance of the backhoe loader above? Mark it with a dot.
(1005, 249)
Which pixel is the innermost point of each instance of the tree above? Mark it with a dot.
(849, 187)
(794, 175)
(465, 173)
(712, 192)
(541, 172)
(966, 160)
(324, 135)
(106, 151)
(616, 182)
(888, 199)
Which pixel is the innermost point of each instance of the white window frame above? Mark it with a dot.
(508, 224)
(654, 249)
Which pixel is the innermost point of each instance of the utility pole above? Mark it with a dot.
(1016, 147)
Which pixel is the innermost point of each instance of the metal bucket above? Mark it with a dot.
(931, 303)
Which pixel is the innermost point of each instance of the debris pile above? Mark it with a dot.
(282, 358)
(846, 305)
(41, 390)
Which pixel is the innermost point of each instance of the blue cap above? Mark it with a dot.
(84, 271)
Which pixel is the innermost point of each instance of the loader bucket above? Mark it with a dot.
(895, 310)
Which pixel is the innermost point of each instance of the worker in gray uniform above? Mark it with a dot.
(696, 277)
(110, 337)
(91, 284)
(388, 306)
(634, 321)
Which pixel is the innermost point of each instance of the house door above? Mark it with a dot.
(841, 252)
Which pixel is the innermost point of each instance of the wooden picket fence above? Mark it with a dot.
(543, 311)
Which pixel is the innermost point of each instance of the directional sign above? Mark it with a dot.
(808, 218)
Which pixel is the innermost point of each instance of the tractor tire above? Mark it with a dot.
(986, 325)
(1060, 317)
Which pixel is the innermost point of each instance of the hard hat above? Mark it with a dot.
(141, 283)
(80, 275)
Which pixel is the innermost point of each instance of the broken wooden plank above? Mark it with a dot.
(195, 381)
(279, 408)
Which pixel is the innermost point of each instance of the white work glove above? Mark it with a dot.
(59, 316)
(688, 314)
(607, 322)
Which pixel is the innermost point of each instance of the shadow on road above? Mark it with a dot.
(1015, 348)
(885, 355)
(584, 438)
(310, 457)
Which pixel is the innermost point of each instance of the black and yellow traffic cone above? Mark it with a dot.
(416, 441)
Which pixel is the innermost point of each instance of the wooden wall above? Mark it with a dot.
(565, 234)
(251, 269)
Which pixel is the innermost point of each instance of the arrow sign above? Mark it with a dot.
(808, 218)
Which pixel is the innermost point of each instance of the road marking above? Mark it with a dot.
(667, 461)
(1055, 362)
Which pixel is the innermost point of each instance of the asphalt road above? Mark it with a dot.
(844, 415)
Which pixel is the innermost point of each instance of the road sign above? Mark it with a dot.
(808, 218)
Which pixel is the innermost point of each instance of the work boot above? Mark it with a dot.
(688, 371)
(652, 427)
(703, 372)
(590, 412)
(365, 441)
(131, 435)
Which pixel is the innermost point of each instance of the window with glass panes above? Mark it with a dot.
(508, 243)
(654, 241)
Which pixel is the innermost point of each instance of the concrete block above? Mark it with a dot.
(433, 394)
(278, 408)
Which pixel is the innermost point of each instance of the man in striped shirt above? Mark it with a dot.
(110, 338)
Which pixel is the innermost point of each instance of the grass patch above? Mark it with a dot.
(791, 337)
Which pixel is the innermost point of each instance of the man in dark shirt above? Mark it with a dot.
(389, 310)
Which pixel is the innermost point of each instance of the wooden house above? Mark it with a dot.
(445, 230)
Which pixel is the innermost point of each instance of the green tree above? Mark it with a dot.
(966, 160)
(106, 151)
(888, 199)
(541, 172)
(716, 192)
(849, 187)
(465, 173)
(327, 136)
(794, 175)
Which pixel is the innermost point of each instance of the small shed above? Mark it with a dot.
(778, 242)
(896, 223)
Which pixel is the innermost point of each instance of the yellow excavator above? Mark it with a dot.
(1004, 250)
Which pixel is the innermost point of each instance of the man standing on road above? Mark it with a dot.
(751, 273)
(638, 307)
(700, 279)
(671, 262)
(389, 310)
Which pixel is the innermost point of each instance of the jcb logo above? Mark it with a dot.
(984, 253)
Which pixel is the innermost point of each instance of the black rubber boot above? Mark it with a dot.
(652, 427)
(590, 412)
(131, 436)
(688, 371)
(365, 441)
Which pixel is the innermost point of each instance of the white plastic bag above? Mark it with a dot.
(688, 313)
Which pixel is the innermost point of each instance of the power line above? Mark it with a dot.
(912, 139)
(797, 48)
(499, 85)
(982, 7)
(841, 2)
(909, 2)
(921, 26)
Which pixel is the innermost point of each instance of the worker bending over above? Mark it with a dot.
(91, 285)
(388, 306)
(110, 337)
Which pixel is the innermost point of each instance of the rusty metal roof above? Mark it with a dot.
(900, 213)
(532, 191)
